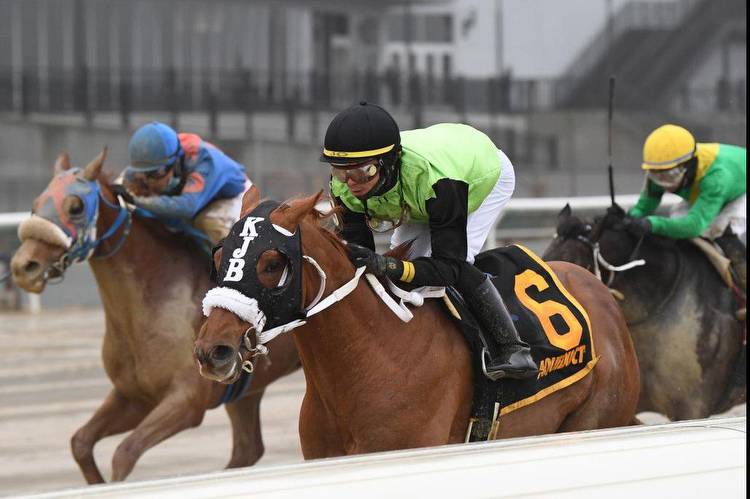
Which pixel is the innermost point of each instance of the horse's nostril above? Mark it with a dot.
(31, 267)
(221, 354)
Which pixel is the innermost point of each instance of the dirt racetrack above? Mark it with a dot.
(51, 381)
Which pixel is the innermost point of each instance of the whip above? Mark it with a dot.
(609, 138)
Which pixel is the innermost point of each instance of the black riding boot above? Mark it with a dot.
(737, 253)
(509, 357)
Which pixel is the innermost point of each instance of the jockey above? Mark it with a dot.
(443, 187)
(180, 176)
(710, 177)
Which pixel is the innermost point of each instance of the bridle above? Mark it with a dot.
(81, 249)
(86, 243)
(315, 306)
(215, 297)
(598, 259)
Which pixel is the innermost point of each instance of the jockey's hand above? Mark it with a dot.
(616, 211)
(121, 191)
(638, 226)
(377, 265)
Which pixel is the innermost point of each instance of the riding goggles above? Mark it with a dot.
(668, 179)
(148, 175)
(359, 173)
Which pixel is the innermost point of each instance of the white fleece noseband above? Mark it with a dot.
(232, 300)
(36, 227)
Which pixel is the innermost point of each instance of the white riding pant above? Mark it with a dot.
(734, 215)
(220, 215)
(479, 223)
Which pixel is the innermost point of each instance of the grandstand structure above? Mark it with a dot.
(262, 78)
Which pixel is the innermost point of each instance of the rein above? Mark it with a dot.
(316, 306)
(599, 259)
(216, 296)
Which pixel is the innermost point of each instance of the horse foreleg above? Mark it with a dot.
(318, 434)
(247, 442)
(176, 412)
(117, 414)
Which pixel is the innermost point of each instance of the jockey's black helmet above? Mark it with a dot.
(360, 132)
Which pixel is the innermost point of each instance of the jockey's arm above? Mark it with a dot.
(702, 213)
(202, 185)
(648, 201)
(447, 214)
(355, 229)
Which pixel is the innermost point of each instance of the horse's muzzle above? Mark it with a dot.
(219, 363)
(29, 274)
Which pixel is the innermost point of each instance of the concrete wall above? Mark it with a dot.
(280, 168)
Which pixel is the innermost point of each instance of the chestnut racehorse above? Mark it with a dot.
(150, 282)
(375, 383)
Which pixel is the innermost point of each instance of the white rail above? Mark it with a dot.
(9, 220)
(701, 458)
(515, 209)
(518, 205)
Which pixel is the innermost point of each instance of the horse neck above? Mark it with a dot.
(358, 338)
(146, 265)
(658, 277)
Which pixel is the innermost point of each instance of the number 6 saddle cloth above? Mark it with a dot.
(547, 317)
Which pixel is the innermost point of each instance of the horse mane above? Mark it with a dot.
(329, 224)
(571, 227)
(105, 177)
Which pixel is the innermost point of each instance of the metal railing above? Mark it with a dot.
(633, 15)
(528, 220)
(125, 91)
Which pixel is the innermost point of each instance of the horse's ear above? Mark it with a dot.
(62, 162)
(93, 169)
(290, 214)
(564, 213)
(250, 200)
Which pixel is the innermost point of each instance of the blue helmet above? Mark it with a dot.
(153, 146)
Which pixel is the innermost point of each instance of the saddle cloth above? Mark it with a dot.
(547, 317)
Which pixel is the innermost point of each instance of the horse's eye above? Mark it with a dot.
(274, 266)
(74, 206)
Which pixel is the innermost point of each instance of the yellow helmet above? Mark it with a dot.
(667, 147)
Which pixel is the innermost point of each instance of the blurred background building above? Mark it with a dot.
(263, 78)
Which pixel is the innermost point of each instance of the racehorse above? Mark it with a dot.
(679, 311)
(150, 282)
(375, 383)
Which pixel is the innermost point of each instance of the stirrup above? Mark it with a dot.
(494, 376)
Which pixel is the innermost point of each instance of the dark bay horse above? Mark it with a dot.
(374, 383)
(679, 312)
(151, 282)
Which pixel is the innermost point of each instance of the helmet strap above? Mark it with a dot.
(389, 166)
(178, 178)
(692, 170)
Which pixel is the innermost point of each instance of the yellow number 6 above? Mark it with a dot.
(545, 310)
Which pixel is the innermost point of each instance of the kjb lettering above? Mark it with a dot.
(237, 262)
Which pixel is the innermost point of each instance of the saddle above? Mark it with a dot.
(546, 316)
